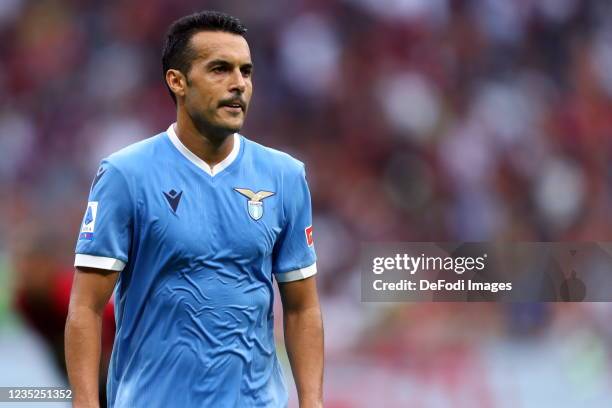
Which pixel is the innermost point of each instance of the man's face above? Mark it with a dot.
(219, 88)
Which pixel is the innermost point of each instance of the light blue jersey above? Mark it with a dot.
(197, 249)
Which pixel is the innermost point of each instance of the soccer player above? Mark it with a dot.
(188, 228)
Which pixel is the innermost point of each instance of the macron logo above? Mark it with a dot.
(174, 198)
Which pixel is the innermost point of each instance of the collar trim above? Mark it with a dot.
(189, 155)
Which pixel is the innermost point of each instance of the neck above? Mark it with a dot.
(208, 147)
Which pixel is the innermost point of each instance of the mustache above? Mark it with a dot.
(233, 101)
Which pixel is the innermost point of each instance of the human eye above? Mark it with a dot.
(219, 68)
(247, 71)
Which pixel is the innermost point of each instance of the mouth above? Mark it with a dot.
(233, 106)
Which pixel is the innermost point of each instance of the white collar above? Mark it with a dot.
(217, 168)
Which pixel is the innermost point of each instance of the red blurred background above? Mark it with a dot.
(418, 120)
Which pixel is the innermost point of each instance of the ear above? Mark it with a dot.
(176, 82)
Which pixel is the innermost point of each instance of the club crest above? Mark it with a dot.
(255, 203)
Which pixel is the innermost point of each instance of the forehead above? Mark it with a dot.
(212, 45)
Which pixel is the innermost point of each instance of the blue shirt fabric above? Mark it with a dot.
(197, 251)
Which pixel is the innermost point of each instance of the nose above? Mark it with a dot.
(238, 82)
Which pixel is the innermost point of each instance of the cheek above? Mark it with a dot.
(204, 90)
(248, 92)
(203, 99)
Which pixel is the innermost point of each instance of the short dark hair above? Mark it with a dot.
(177, 54)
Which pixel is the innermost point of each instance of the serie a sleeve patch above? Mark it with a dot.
(89, 221)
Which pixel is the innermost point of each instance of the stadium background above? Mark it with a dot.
(418, 120)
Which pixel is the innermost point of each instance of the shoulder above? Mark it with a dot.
(134, 157)
(275, 160)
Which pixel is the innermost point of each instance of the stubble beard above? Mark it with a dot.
(215, 132)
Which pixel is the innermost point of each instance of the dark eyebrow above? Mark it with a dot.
(225, 63)
(217, 62)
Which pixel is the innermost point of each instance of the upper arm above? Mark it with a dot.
(299, 294)
(104, 240)
(92, 288)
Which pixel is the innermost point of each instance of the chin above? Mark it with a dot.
(232, 127)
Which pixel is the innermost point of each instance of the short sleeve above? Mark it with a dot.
(106, 231)
(294, 255)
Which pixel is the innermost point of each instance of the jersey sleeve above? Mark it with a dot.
(294, 255)
(106, 231)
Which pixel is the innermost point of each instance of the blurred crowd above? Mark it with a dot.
(418, 120)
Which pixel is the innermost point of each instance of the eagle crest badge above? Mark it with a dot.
(255, 203)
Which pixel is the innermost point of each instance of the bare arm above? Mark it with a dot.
(91, 290)
(304, 339)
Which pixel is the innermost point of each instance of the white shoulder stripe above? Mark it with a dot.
(298, 274)
(98, 262)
